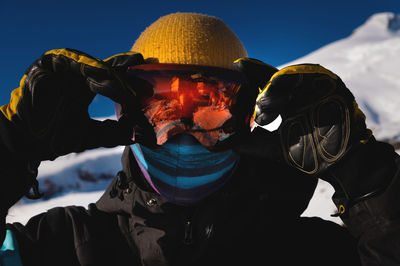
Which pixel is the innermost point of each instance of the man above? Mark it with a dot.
(197, 186)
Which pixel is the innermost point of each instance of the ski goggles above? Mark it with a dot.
(195, 100)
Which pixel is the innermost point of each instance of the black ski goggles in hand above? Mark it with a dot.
(195, 100)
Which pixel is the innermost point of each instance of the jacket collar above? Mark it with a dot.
(130, 188)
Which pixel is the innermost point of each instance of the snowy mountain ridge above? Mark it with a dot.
(381, 24)
(367, 61)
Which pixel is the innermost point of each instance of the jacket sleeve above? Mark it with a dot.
(375, 217)
(17, 172)
(72, 236)
(18, 148)
(46, 238)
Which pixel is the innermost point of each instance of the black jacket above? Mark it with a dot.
(253, 219)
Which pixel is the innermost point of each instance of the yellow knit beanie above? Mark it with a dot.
(190, 38)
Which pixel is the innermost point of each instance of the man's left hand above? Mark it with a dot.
(320, 117)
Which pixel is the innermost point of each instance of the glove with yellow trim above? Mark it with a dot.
(323, 133)
(51, 104)
(48, 116)
(320, 118)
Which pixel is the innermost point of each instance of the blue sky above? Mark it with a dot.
(273, 31)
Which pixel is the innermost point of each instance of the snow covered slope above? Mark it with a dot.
(369, 63)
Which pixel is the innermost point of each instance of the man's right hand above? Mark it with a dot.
(51, 104)
(48, 116)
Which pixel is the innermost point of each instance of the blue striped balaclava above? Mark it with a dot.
(183, 171)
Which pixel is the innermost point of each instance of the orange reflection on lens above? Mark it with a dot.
(189, 101)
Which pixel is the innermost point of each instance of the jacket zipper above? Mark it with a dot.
(188, 239)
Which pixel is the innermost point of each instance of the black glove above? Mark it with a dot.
(320, 118)
(48, 115)
(51, 104)
(323, 133)
(257, 74)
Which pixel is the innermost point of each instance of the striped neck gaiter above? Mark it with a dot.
(183, 171)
